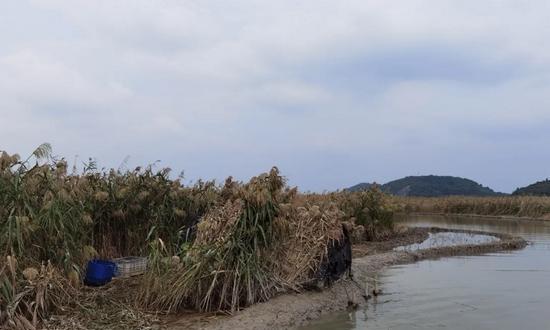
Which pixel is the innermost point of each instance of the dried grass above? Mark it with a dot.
(247, 250)
(253, 240)
(519, 206)
(27, 297)
(310, 230)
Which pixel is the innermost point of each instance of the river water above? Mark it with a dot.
(508, 290)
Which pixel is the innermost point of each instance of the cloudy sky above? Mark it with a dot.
(332, 92)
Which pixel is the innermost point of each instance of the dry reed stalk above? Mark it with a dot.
(303, 248)
(254, 239)
(247, 250)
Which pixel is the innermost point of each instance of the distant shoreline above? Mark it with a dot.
(469, 215)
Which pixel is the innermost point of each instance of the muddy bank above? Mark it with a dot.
(293, 310)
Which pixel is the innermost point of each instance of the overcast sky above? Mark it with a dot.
(332, 92)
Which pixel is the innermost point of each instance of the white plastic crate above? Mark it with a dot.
(130, 266)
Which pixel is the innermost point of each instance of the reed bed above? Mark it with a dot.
(48, 215)
(517, 206)
(210, 247)
(246, 251)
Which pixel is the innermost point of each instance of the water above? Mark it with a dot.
(445, 239)
(509, 290)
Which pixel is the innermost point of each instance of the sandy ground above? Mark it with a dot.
(290, 311)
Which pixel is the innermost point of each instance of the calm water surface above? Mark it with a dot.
(509, 290)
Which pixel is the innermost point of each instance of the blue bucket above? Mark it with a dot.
(99, 272)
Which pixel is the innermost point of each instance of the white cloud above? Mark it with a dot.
(258, 83)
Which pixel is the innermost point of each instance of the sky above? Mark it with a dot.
(332, 92)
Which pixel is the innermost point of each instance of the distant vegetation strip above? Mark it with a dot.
(517, 206)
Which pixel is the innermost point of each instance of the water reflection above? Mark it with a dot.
(445, 239)
(495, 291)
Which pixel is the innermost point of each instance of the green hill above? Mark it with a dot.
(432, 186)
(541, 188)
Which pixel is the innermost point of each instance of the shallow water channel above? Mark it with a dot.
(508, 290)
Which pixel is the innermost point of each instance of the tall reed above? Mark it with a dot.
(49, 214)
(210, 247)
(259, 242)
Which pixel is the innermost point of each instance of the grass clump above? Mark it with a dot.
(27, 296)
(258, 243)
(51, 216)
(371, 211)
